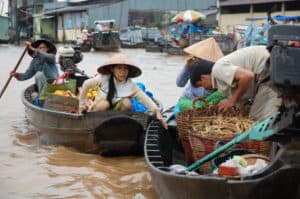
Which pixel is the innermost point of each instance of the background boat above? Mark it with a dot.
(107, 39)
(131, 37)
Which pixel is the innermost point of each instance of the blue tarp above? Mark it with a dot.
(255, 35)
(283, 18)
(277, 18)
(195, 29)
(181, 30)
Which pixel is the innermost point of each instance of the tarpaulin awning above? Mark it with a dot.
(277, 18)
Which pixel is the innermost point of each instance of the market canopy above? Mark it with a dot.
(188, 16)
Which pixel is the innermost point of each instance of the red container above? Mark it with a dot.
(227, 171)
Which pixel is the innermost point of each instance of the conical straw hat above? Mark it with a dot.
(51, 47)
(207, 49)
(120, 58)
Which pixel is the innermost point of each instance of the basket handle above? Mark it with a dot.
(200, 99)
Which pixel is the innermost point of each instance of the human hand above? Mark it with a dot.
(15, 74)
(162, 120)
(190, 60)
(28, 45)
(225, 104)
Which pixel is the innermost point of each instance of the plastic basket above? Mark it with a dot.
(218, 160)
(49, 87)
(251, 159)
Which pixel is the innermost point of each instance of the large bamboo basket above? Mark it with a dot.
(201, 129)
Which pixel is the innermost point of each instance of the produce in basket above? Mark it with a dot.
(213, 99)
(218, 127)
(92, 92)
(244, 165)
(66, 93)
(200, 129)
(239, 159)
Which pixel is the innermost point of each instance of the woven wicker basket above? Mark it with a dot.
(200, 129)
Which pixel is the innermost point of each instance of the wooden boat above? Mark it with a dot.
(280, 179)
(108, 133)
(131, 37)
(153, 48)
(227, 42)
(107, 39)
(174, 50)
(132, 45)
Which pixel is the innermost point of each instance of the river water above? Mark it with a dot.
(29, 169)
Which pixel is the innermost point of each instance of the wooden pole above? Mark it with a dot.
(15, 69)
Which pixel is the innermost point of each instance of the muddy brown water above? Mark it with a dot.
(29, 169)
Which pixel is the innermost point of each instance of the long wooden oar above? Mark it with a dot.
(15, 69)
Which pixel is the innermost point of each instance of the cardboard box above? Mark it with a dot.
(62, 103)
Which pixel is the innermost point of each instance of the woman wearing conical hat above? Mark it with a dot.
(43, 64)
(207, 49)
(117, 88)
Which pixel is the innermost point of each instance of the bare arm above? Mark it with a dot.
(148, 102)
(87, 84)
(244, 78)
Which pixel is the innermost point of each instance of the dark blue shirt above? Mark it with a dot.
(43, 62)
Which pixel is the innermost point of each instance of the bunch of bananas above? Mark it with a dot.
(92, 93)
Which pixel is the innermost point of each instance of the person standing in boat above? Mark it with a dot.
(43, 64)
(111, 26)
(99, 27)
(117, 88)
(207, 49)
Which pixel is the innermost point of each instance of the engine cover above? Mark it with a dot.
(66, 51)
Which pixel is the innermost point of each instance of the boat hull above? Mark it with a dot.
(106, 41)
(132, 45)
(280, 179)
(76, 130)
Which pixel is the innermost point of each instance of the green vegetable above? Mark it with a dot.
(240, 160)
(213, 99)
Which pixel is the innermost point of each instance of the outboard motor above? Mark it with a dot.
(285, 59)
(68, 58)
(77, 56)
(285, 72)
